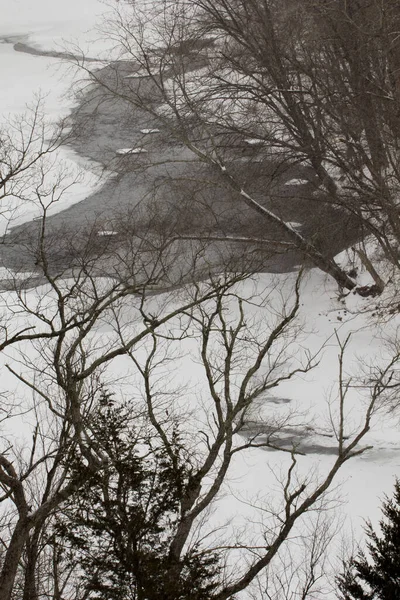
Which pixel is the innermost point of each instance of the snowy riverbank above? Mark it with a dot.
(26, 77)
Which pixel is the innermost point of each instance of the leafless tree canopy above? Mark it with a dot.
(311, 84)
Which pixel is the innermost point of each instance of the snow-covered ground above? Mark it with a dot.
(328, 319)
(254, 478)
(51, 26)
(363, 482)
(50, 23)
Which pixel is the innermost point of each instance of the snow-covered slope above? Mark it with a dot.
(51, 26)
(254, 479)
(47, 25)
(49, 22)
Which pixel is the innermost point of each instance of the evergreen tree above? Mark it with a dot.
(119, 527)
(376, 576)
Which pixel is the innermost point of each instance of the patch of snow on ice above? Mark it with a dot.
(254, 142)
(293, 224)
(149, 131)
(297, 182)
(138, 74)
(125, 151)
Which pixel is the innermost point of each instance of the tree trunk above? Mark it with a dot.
(321, 261)
(12, 558)
(32, 552)
(371, 269)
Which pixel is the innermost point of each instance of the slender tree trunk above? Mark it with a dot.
(12, 558)
(371, 269)
(320, 260)
(32, 552)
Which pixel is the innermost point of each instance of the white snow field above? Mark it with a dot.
(256, 473)
(50, 22)
(51, 25)
(362, 483)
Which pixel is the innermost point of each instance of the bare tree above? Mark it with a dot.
(29, 145)
(314, 85)
(318, 82)
(51, 332)
(177, 82)
(243, 344)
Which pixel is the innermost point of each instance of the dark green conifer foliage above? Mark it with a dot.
(376, 575)
(119, 527)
